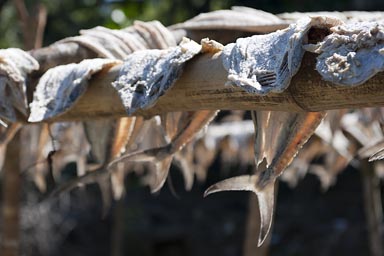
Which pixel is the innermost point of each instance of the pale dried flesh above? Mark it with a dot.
(60, 87)
(352, 54)
(262, 64)
(147, 75)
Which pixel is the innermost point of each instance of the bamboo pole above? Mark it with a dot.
(202, 86)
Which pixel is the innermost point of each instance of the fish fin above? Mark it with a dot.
(265, 196)
(147, 155)
(161, 174)
(239, 183)
(160, 156)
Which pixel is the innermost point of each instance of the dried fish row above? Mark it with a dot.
(60, 87)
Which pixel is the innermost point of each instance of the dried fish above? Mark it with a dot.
(352, 54)
(347, 17)
(239, 18)
(110, 138)
(173, 123)
(118, 44)
(365, 127)
(379, 154)
(99, 134)
(266, 63)
(146, 75)
(60, 87)
(153, 34)
(162, 156)
(15, 65)
(122, 135)
(279, 136)
(295, 16)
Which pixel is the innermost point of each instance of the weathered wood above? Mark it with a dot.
(202, 86)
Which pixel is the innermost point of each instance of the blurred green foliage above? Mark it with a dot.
(66, 18)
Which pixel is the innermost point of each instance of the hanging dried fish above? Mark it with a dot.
(34, 154)
(146, 75)
(162, 156)
(262, 64)
(60, 87)
(108, 140)
(352, 54)
(364, 126)
(15, 65)
(266, 63)
(279, 136)
(173, 123)
(99, 134)
(123, 136)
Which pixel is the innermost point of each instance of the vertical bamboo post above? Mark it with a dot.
(10, 242)
(117, 233)
(373, 208)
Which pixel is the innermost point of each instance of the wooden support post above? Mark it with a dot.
(373, 208)
(11, 190)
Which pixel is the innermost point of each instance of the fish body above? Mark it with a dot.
(278, 138)
(180, 128)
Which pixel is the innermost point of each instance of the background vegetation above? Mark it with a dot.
(66, 18)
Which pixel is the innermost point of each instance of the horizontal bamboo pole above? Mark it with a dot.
(201, 86)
